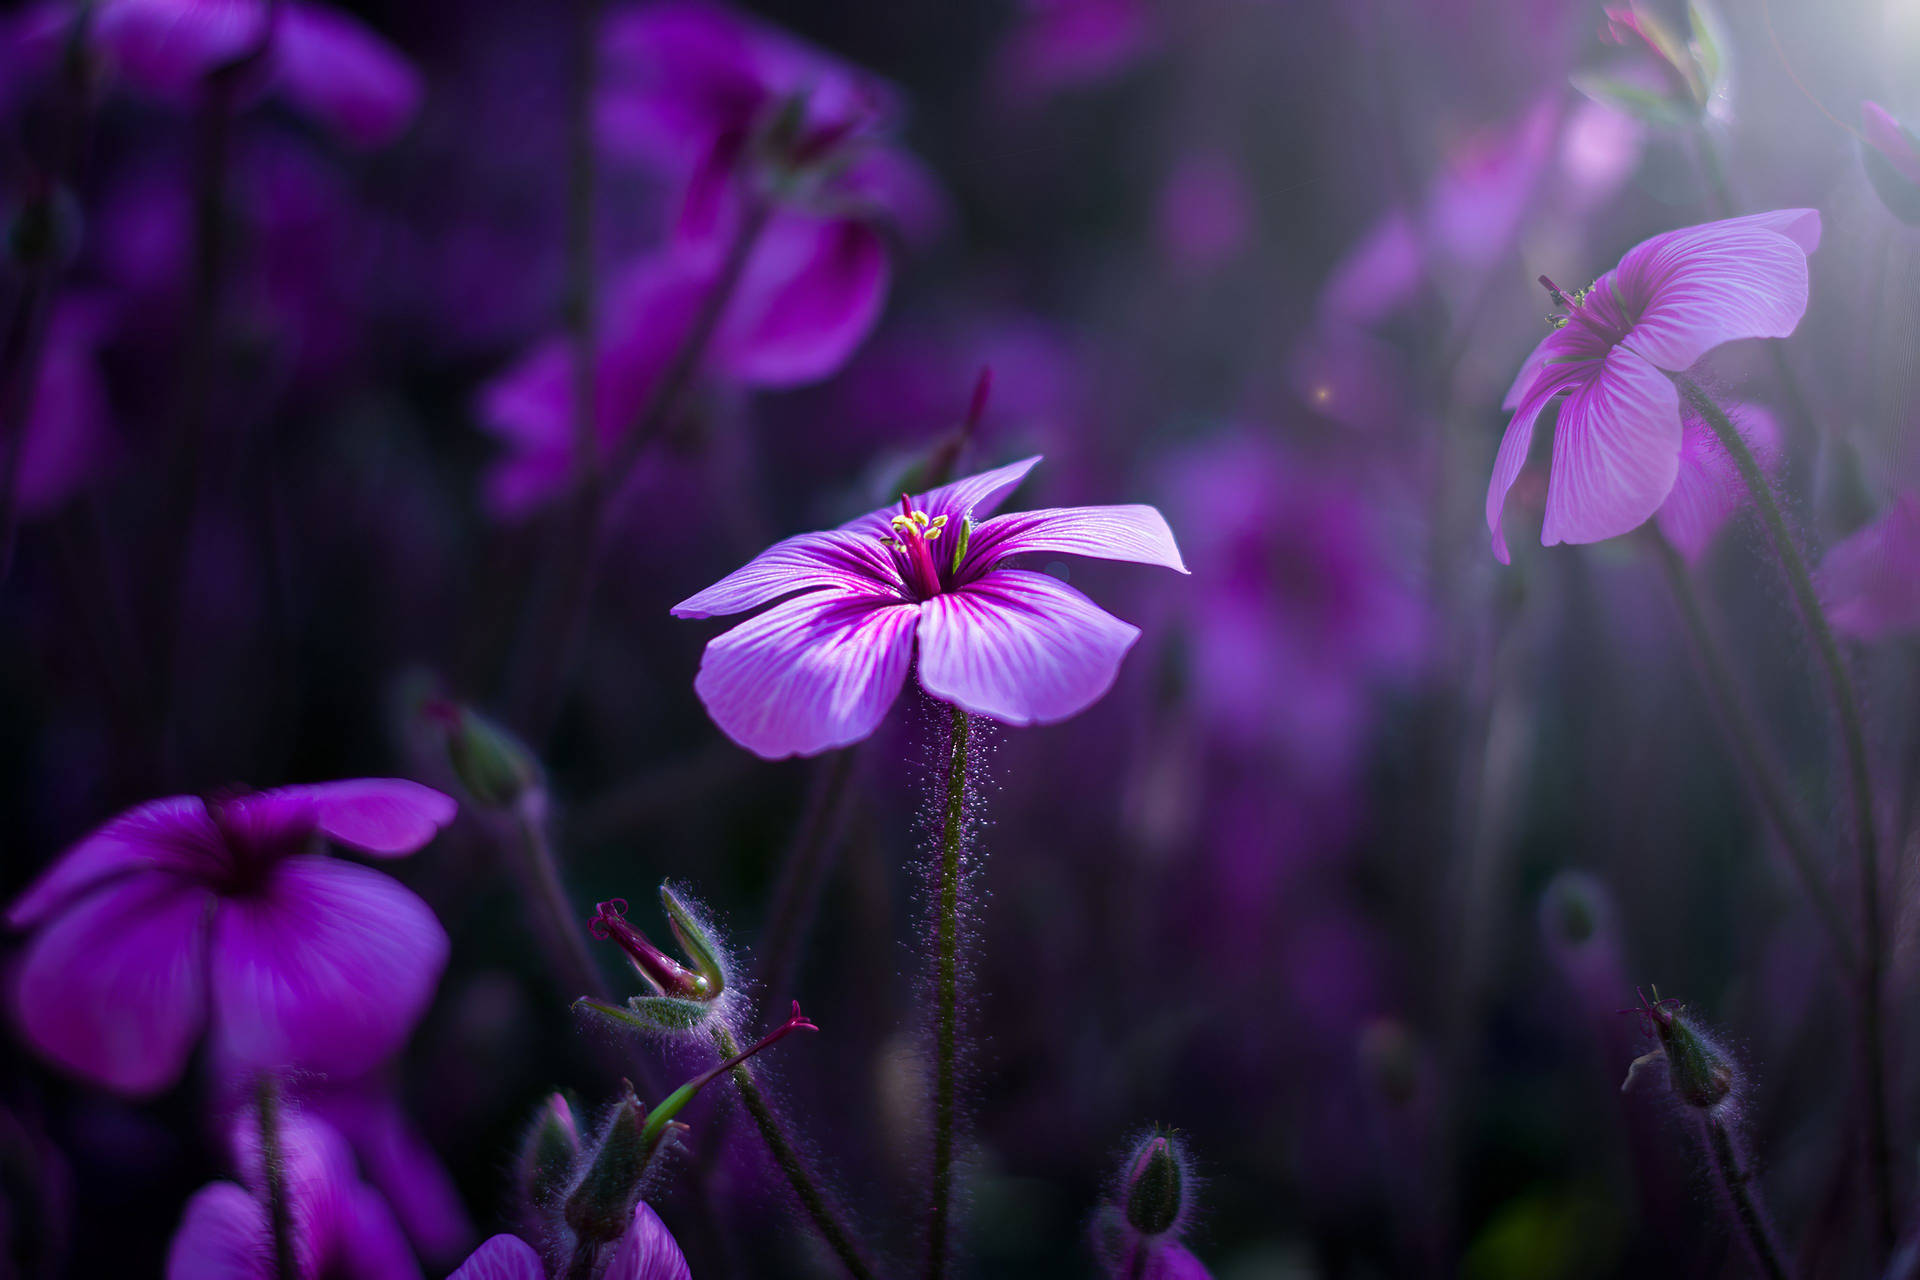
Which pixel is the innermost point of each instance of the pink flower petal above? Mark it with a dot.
(387, 817)
(344, 75)
(1616, 451)
(1377, 277)
(1695, 289)
(170, 834)
(370, 1242)
(1871, 580)
(504, 1257)
(1885, 135)
(398, 1162)
(1707, 489)
(224, 1235)
(1517, 443)
(816, 672)
(115, 989)
(648, 1251)
(1020, 647)
(854, 562)
(810, 296)
(977, 496)
(327, 967)
(1135, 532)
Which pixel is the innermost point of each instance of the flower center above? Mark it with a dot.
(912, 544)
(1592, 307)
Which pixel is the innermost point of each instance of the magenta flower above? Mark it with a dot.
(192, 910)
(820, 668)
(1707, 488)
(647, 1252)
(341, 1227)
(69, 437)
(1672, 299)
(1871, 580)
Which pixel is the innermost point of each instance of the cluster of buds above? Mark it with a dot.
(680, 998)
(579, 1195)
(1692, 69)
(1136, 1233)
(1699, 1072)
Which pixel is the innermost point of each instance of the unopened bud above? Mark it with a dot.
(496, 768)
(548, 1155)
(1699, 1072)
(660, 971)
(696, 940)
(601, 1204)
(1156, 1184)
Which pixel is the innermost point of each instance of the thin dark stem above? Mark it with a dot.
(820, 1208)
(1853, 738)
(1737, 1181)
(554, 916)
(273, 1164)
(947, 996)
(1753, 753)
(582, 303)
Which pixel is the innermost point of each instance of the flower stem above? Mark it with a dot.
(582, 303)
(554, 917)
(1753, 753)
(273, 1164)
(947, 992)
(1853, 739)
(1737, 1181)
(820, 1208)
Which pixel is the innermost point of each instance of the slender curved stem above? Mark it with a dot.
(820, 1208)
(1749, 1215)
(1871, 970)
(947, 994)
(273, 1165)
(1754, 754)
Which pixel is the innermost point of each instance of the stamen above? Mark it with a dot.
(661, 971)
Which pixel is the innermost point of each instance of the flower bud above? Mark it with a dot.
(1699, 1072)
(695, 937)
(496, 768)
(660, 971)
(548, 1155)
(1156, 1185)
(601, 1203)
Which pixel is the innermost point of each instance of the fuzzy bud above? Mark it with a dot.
(1699, 1072)
(496, 768)
(548, 1155)
(601, 1203)
(1156, 1185)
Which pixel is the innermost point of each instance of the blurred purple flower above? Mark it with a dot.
(341, 1228)
(191, 909)
(1205, 212)
(1890, 139)
(398, 1163)
(69, 437)
(647, 1252)
(1070, 44)
(326, 63)
(820, 669)
(1707, 488)
(1871, 580)
(1302, 612)
(1671, 300)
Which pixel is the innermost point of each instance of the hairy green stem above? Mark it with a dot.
(273, 1166)
(820, 1208)
(1737, 1181)
(1753, 753)
(947, 995)
(1871, 970)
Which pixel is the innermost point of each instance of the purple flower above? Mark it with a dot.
(646, 1252)
(188, 910)
(820, 668)
(326, 63)
(1672, 299)
(1871, 580)
(1205, 212)
(1707, 488)
(340, 1226)
(1071, 44)
(397, 1162)
(69, 436)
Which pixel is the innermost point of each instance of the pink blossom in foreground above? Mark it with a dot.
(341, 1228)
(820, 668)
(1871, 580)
(647, 1252)
(1672, 299)
(223, 910)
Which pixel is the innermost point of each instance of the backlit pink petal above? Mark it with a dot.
(170, 834)
(115, 989)
(1707, 489)
(1514, 447)
(816, 672)
(811, 295)
(1020, 647)
(1137, 533)
(1616, 450)
(344, 75)
(1885, 135)
(1694, 290)
(399, 1164)
(1377, 277)
(327, 966)
(1871, 580)
(648, 1251)
(804, 562)
(383, 816)
(976, 495)
(369, 1241)
(224, 1235)
(1171, 1261)
(504, 1257)
(318, 1176)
